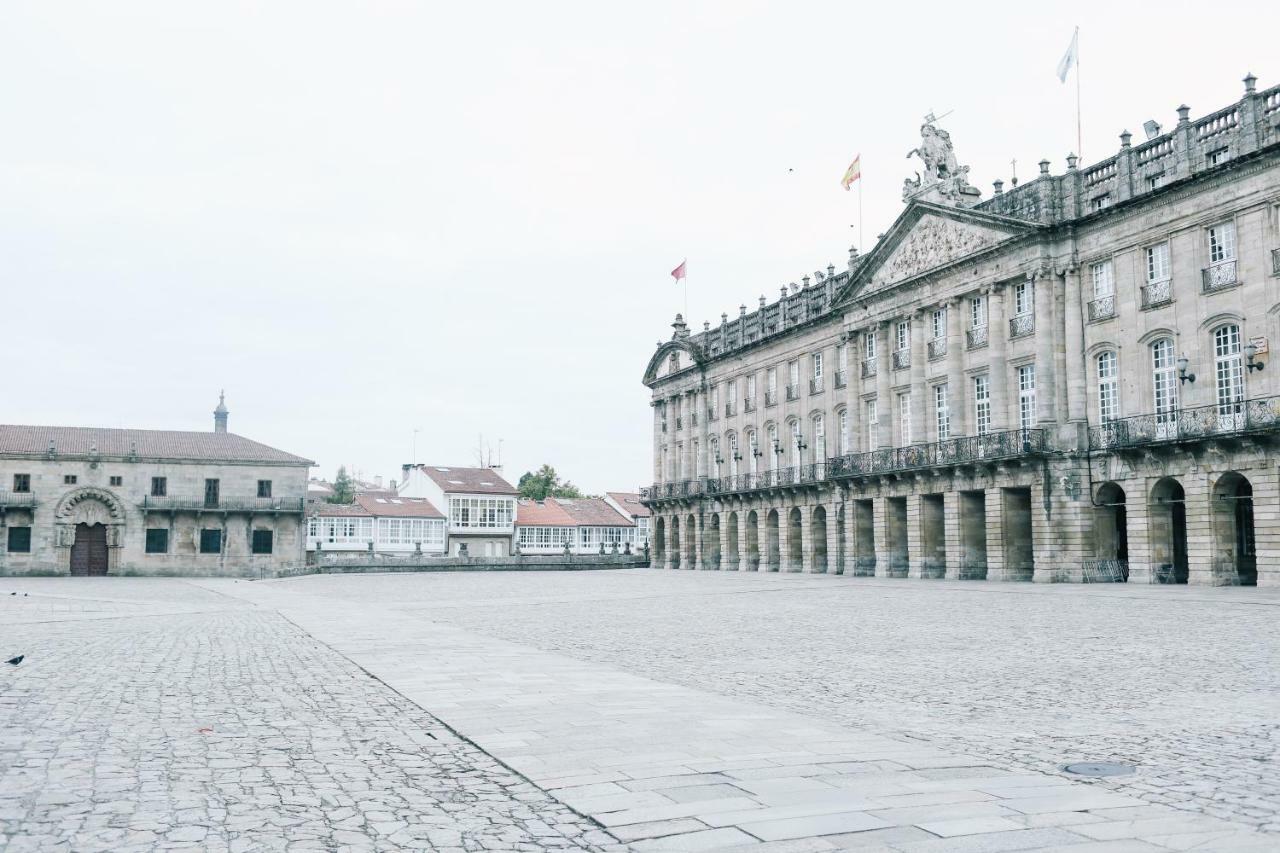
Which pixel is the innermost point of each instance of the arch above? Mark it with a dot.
(1222, 318)
(77, 504)
(795, 539)
(1111, 533)
(772, 555)
(1100, 347)
(1163, 332)
(711, 543)
(658, 541)
(836, 566)
(1235, 556)
(818, 528)
(691, 542)
(660, 359)
(733, 556)
(1167, 529)
(753, 541)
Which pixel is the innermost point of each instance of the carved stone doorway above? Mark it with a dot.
(89, 551)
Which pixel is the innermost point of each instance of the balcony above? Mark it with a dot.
(815, 385)
(1219, 276)
(712, 414)
(1205, 422)
(730, 409)
(1022, 325)
(1275, 261)
(749, 404)
(276, 505)
(976, 337)
(693, 419)
(937, 348)
(770, 398)
(1157, 293)
(793, 393)
(868, 368)
(842, 378)
(954, 451)
(17, 500)
(679, 423)
(1102, 308)
(901, 359)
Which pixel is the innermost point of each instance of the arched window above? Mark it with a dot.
(819, 438)
(772, 448)
(713, 449)
(844, 431)
(1164, 380)
(1228, 371)
(733, 454)
(753, 450)
(797, 435)
(1108, 387)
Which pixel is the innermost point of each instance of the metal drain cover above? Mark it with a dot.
(1100, 768)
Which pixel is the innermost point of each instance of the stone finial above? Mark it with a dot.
(795, 288)
(742, 310)
(1184, 114)
(706, 325)
(1044, 167)
(999, 186)
(724, 318)
(806, 282)
(220, 414)
(784, 292)
(681, 328)
(1125, 138)
(1250, 83)
(831, 270)
(763, 301)
(1072, 161)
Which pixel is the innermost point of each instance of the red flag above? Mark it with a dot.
(679, 272)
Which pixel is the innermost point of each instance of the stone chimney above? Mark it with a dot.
(220, 413)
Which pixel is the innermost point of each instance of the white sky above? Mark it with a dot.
(365, 218)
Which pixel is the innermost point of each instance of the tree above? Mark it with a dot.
(545, 483)
(343, 489)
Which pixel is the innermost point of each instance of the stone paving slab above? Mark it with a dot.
(559, 719)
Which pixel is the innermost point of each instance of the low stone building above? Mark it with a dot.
(1064, 381)
(573, 525)
(88, 501)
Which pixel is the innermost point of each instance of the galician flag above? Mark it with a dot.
(852, 173)
(1070, 57)
(679, 272)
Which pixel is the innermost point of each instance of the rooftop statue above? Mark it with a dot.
(944, 178)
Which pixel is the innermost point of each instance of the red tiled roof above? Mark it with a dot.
(471, 481)
(630, 501)
(593, 512)
(397, 507)
(328, 510)
(30, 441)
(530, 513)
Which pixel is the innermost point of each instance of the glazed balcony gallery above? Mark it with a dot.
(1055, 383)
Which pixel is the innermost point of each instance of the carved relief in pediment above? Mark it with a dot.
(934, 242)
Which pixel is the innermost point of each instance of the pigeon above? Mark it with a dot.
(13, 593)
(15, 661)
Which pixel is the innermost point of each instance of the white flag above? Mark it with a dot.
(1069, 58)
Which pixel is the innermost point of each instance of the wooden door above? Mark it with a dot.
(89, 552)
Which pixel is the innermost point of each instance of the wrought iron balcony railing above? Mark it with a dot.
(693, 419)
(793, 392)
(770, 398)
(1102, 308)
(1157, 293)
(223, 504)
(901, 359)
(842, 378)
(730, 409)
(679, 422)
(937, 348)
(17, 500)
(712, 414)
(1275, 261)
(868, 368)
(953, 451)
(1022, 325)
(749, 404)
(815, 385)
(1218, 276)
(977, 337)
(1245, 416)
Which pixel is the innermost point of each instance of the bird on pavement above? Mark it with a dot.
(15, 661)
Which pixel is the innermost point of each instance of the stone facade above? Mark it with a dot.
(104, 501)
(1063, 382)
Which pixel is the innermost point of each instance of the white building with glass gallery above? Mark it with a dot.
(383, 524)
(480, 506)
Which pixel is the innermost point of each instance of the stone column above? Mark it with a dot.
(995, 534)
(1076, 378)
(1200, 533)
(724, 543)
(952, 541)
(833, 534)
(915, 536)
(919, 392)
(1138, 523)
(880, 521)
(956, 391)
(1046, 387)
(784, 537)
(853, 394)
(669, 551)
(1266, 527)
(997, 338)
(884, 372)
(704, 433)
(743, 563)
(806, 538)
(699, 555)
(658, 440)
(851, 537)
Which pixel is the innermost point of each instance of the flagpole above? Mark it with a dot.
(859, 204)
(1079, 135)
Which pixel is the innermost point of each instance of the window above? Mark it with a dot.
(731, 390)
(797, 437)
(1027, 396)
(1104, 283)
(942, 412)
(406, 533)
(978, 312)
(262, 541)
(264, 488)
(904, 419)
(1215, 157)
(157, 540)
(869, 345)
(902, 339)
(341, 530)
(210, 541)
(1022, 298)
(1222, 243)
(22, 482)
(713, 448)
(982, 403)
(1108, 387)
(939, 324)
(733, 453)
(771, 382)
(697, 459)
(1154, 182)
(1164, 378)
(1158, 263)
(793, 373)
(544, 538)
(842, 358)
(211, 492)
(496, 513)
(159, 487)
(751, 389)
(819, 438)
(772, 450)
(817, 365)
(1228, 368)
(1101, 202)
(19, 540)
(715, 398)
(115, 481)
(69, 479)
(844, 431)
(873, 425)
(753, 448)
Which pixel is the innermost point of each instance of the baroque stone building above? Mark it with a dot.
(1065, 381)
(88, 501)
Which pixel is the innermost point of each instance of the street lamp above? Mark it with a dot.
(1250, 350)
(1183, 375)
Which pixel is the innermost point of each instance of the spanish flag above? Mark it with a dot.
(852, 173)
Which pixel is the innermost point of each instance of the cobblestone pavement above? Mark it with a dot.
(155, 714)
(1183, 682)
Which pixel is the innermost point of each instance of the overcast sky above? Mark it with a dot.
(366, 218)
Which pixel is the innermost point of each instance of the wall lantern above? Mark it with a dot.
(1183, 375)
(1251, 350)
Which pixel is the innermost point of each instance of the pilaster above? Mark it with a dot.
(1076, 378)
(784, 538)
(1046, 389)
(957, 396)
(743, 562)
(880, 520)
(995, 535)
(952, 543)
(919, 392)
(997, 339)
(834, 555)
(698, 542)
(725, 556)
(915, 536)
(884, 398)
(807, 561)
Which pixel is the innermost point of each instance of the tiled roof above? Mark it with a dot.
(531, 513)
(471, 481)
(329, 510)
(630, 501)
(593, 512)
(397, 507)
(29, 441)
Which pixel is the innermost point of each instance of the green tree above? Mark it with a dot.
(343, 489)
(545, 483)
